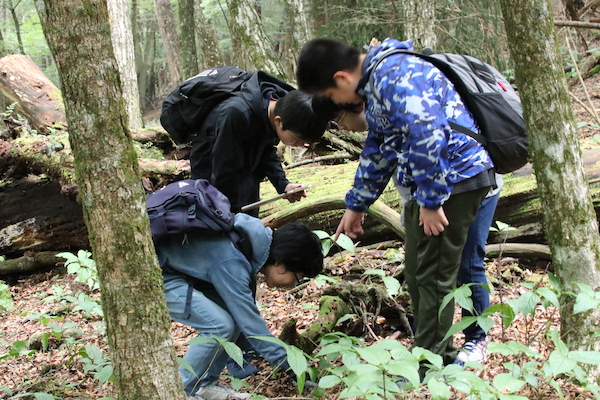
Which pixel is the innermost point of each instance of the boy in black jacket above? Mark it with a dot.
(235, 148)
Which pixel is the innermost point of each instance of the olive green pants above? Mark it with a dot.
(431, 267)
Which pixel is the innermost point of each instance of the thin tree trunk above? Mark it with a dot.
(208, 39)
(122, 40)
(146, 64)
(420, 17)
(247, 31)
(297, 33)
(13, 13)
(571, 225)
(106, 170)
(188, 38)
(168, 33)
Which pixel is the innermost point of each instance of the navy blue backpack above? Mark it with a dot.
(192, 205)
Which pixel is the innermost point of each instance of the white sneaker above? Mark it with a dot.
(195, 398)
(474, 350)
(219, 392)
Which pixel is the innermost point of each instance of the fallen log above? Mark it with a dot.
(379, 210)
(37, 98)
(35, 216)
(331, 309)
(29, 262)
(519, 250)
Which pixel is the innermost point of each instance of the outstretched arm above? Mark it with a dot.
(350, 224)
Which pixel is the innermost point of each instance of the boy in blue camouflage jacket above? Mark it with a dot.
(408, 104)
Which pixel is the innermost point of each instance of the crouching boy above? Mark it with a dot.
(221, 303)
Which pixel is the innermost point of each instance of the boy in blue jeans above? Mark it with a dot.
(472, 270)
(408, 104)
(219, 301)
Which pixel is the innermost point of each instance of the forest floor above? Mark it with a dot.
(47, 302)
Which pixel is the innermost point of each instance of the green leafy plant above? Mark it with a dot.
(328, 241)
(82, 265)
(391, 284)
(6, 299)
(94, 362)
(9, 110)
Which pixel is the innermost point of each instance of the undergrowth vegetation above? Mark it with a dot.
(343, 366)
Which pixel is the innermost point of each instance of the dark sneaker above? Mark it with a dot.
(240, 372)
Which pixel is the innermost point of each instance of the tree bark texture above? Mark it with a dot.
(569, 218)
(13, 13)
(297, 33)
(106, 170)
(168, 34)
(38, 99)
(420, 18)
(187, 38)
(246, 30)
(122, 40)
(208, 39)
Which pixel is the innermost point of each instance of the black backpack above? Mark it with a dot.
(493, 103)
(184, 110)
(193, 205)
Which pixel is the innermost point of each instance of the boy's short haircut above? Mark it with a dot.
(297, 115)
(320, 59)
(298, 248)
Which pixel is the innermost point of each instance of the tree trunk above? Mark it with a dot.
(187, 38)
(247, 31)
(13, 12)
(122, 40)
(38, 99)
(569, 218)
(112, 197)
(420, 17)
(297, 33)
(168, 33)
(208, 40)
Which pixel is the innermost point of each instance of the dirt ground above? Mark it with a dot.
(57, 370)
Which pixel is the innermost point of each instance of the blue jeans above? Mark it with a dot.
(210, 317)
(472, 268)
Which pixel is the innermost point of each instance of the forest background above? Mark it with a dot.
(473, 27)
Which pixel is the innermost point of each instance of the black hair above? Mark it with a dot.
(320, 59)
(327, 109)
(298, 248)
(297, 115)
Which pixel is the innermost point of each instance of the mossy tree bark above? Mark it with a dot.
(571, 225)
(168, 34)
(297, 33)
(250, 39)
(122, 40)
(106, 170)
(187, 38)
(208, 39)
(420, 17)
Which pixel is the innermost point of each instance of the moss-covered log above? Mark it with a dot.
(331, 309)
(30, 261)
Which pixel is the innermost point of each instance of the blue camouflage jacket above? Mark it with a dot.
(408, 103)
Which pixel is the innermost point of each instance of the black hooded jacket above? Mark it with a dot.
(235, 147)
